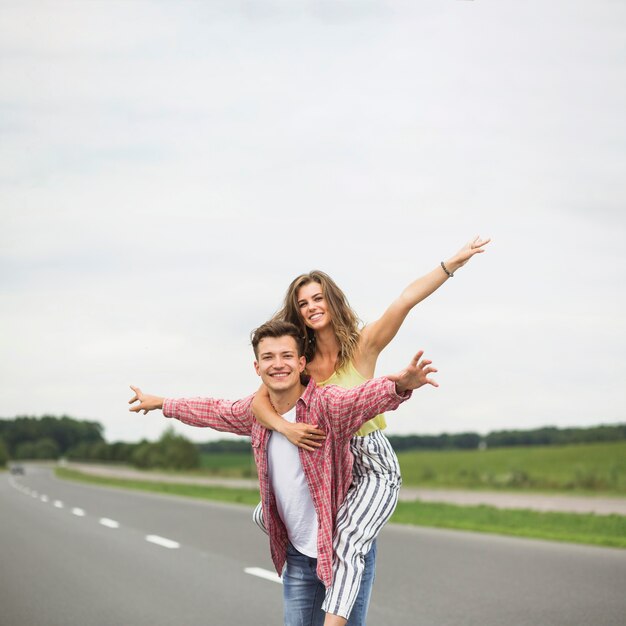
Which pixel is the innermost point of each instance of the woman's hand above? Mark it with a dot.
(475, 246)
(302, 435)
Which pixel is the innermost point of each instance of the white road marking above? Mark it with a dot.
(58, 504)
(109, 523)
(263, 573)
(44, 498)
(163, 542)
(34, 494)
(79, 512)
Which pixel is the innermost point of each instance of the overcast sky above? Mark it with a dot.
(166, 169)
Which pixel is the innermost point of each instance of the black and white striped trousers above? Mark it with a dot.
(370, 501)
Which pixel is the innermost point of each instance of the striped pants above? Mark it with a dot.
(369, 503)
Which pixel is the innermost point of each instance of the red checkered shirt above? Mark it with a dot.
(328, 470)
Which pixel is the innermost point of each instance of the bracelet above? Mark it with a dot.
(445, 269)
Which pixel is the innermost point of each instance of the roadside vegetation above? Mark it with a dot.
(4, 455)
(583, 468)
(222, 494)
(601, 530)
(594, 468)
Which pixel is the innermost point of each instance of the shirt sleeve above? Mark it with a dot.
(223, 415)
(349, 409)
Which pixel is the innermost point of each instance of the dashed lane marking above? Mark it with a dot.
(163, 542)
(109, 523)
(58, 504)
(78, 512)
(263, 573)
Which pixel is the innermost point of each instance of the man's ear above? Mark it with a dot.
(256, 368)
(302, 363)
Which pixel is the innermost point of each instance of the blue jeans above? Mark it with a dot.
(303, 591)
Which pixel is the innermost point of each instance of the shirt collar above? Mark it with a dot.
(308, 392)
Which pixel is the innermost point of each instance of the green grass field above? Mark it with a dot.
(233, 464)
(223, 494)
(602, 530)
(597, 467)
(583, 468)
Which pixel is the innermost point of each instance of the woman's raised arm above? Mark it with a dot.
(377, 335)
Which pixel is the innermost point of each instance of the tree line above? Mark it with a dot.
(50, 437)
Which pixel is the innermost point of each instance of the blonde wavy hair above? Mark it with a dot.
(345, 321)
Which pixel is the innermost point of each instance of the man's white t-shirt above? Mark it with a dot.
(293, 497)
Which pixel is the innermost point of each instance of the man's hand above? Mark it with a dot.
(303, 435)
(146, 402)
(415, 375)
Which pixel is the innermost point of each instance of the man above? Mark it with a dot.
(301, 492)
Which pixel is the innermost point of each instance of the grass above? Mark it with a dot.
(223, 494)
(232, 464)
(601, 530)
(583, 468)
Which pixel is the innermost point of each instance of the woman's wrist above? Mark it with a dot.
(281, 426)
(453, 264)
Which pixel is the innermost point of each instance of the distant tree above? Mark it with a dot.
(64, 431)
(225, 445)
(4, 454)
(44, 448)
(172, 451)
(141, 456)
(24, 450)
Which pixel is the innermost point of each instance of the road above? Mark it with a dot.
(64, 561)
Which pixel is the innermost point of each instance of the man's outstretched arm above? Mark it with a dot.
(223, 415)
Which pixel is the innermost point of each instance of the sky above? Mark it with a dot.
(167, 168)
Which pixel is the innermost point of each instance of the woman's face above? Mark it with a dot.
(312, 306)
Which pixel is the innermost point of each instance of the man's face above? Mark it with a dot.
(278, 363)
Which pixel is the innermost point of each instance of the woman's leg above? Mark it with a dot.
(257, 517)
(368, 505)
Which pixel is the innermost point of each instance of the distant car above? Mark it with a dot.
(17, 469)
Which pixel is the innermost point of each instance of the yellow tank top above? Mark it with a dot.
(348, 377)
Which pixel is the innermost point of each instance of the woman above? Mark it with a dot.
(340, 353)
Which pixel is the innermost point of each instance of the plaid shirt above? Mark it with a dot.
(328, 470)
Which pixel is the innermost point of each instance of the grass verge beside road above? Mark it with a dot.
(223, 494)
(601, 530)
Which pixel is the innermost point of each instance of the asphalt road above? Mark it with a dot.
(94, 556)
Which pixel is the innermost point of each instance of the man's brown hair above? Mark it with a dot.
(277, 328)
